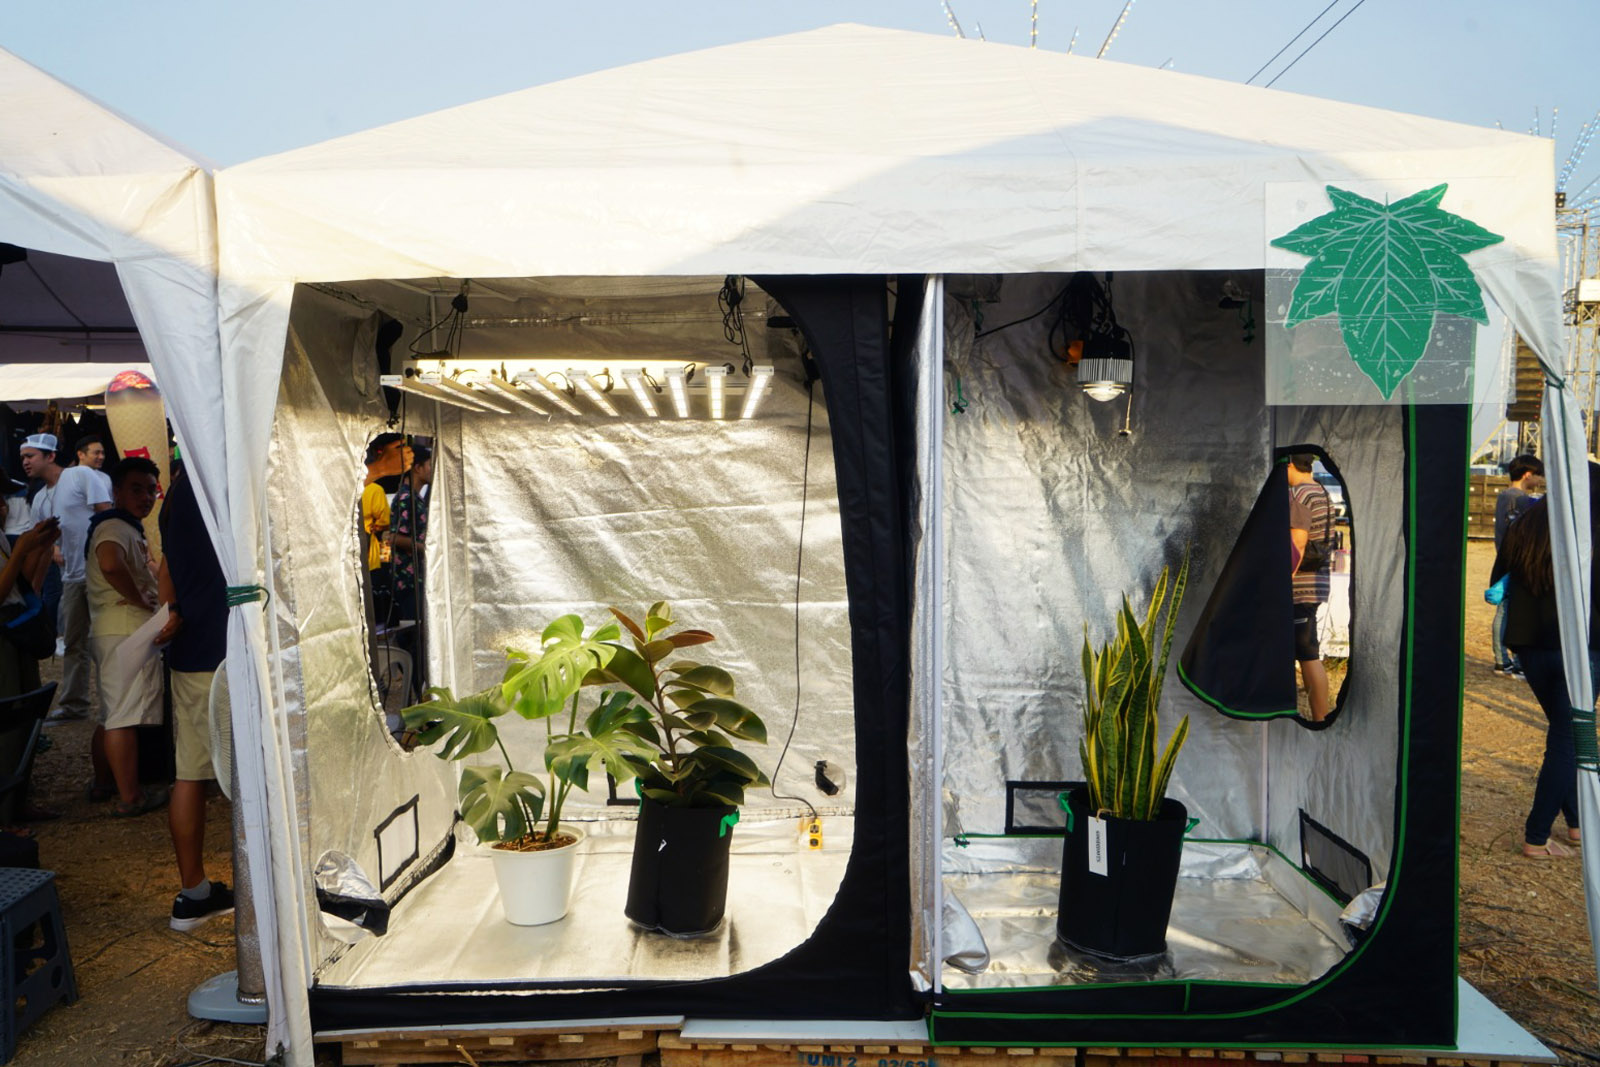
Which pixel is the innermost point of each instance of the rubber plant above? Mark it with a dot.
(512, 809)
(1126, 774)
(687, 716)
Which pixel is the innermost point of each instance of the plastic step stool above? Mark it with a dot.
(35, 968)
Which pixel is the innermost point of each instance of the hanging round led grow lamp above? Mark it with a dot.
(1105, 378)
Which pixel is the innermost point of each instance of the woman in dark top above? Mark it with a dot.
(1533, 634)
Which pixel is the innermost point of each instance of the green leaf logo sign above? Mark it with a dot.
(1386, 270)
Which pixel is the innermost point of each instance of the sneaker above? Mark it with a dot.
(189, 912)
(66, 715)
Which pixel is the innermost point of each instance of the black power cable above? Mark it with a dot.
(799, 561)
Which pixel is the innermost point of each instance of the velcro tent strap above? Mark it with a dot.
(246, 594)
(1583, 739)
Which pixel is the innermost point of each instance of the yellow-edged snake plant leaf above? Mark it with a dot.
(1386, 270)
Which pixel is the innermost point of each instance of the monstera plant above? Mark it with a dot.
(515, 813)
(670, 722)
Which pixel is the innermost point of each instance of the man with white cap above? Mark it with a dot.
(72, 495)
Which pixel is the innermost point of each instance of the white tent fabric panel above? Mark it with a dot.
(77, 179)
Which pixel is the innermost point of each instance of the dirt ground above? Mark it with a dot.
(1523, 937)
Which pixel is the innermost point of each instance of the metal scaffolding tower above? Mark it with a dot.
(1578, 229)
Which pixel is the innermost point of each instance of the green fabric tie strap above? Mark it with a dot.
(246, 594)
(728, 822)
(1583, 739)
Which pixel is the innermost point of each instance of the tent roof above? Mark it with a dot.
(847, 149)
(86, 174)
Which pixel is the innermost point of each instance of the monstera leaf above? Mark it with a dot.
(609, 737)
(1386, 270)
(500, 805)
(539, 687)
(460, 727)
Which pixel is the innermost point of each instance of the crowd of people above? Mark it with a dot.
(127, 620)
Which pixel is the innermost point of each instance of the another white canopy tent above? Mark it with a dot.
(79, 180)
(43, 381)
(870, 152)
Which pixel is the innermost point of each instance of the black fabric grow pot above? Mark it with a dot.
(679, 881)
(1121, 914)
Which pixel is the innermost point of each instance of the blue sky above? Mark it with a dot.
(234, 81)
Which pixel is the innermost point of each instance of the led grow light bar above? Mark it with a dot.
(432, 391)
(502, 388)
(760, 378)
(634, 379)
(471, 395)
(715, 382)
(679, 390)
(587, 387)
(543, 391)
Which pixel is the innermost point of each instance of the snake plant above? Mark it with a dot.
(1126, 775)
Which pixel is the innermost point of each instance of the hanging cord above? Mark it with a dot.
(799, 560)
(730, 299)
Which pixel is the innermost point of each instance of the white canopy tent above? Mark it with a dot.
(79, 180)
(872, 152)
(43, 381)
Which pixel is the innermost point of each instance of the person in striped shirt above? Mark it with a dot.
(1310, 520)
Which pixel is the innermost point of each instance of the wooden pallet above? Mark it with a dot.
(401, 1048)
(676, 1052)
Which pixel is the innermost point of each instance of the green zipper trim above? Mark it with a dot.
(1407, 698)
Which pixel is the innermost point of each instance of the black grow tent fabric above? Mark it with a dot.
(854, 966)
(1240, 657)
(1398, 988)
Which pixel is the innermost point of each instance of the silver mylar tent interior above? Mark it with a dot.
(899, 189)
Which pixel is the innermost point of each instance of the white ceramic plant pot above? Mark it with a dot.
(536, 887)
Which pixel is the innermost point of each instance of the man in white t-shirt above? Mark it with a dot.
(72, 495)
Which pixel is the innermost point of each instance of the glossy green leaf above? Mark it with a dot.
(734, 718)
(707, 679)
(629, 669)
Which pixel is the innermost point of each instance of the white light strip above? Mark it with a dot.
(429, 391)
(501, 387)
(760, 378)
(680, 394)
(635, 382)
(543, 391)
(714, 382)
(466, 392)
(587, 387)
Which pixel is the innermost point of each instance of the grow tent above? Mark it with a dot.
(882, 154)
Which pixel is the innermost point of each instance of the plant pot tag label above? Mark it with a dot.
(1097, 846)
